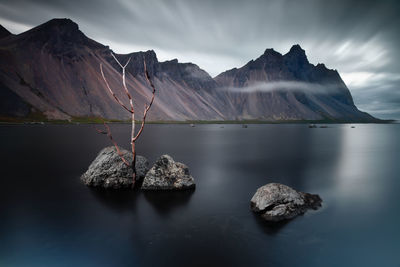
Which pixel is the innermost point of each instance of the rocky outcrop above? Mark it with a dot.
(166, 174)
(108, 170)
(276, 202)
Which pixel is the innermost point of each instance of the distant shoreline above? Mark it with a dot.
(86, 120)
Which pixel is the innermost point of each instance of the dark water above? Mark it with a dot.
(48, 218)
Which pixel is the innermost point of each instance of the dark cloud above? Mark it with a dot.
(359, 38)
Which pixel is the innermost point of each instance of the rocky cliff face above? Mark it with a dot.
(54, 69)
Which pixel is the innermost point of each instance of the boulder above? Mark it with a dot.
(166, 174)
(276, 202)
(109, 171)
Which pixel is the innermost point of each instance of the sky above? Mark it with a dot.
(359, 38)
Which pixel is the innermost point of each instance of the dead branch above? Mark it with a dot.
(127, 94)
(108, 133)
(111, 91)
(131, 110)
(146, 107)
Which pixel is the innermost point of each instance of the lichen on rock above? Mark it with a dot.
(166, 174)
(109, 171)
(277, 202)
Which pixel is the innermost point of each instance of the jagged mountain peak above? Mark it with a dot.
(174, 61)
(57, 36)
(296, 60)
(296, 48)
(150, 53)
(321, 66)
(60, 23)
(271, 52)
(136, 65)
(191, 73)
(150, 56)
(57, 27)
(296, 52)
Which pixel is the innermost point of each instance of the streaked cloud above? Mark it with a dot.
(314, 88)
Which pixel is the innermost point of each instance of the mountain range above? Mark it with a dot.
(52, 72)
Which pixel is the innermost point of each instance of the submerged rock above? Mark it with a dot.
(109, 171)
(277, 202)
(166, 174)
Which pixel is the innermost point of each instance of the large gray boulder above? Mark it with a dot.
(166, 174)
(109, 171)
(277, 202)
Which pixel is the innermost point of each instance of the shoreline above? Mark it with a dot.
(77, 121)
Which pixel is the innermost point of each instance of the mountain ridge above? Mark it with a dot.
(4, 32)
(63, 81)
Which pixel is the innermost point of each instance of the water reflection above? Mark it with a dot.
(126, 200)
(359, 175)
(269, 228)
(121, 200)
(165, 202)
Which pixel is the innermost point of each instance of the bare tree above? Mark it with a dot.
(131, 110)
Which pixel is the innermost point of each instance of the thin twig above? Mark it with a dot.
(128, 95)
(111, 91)
(146, 107)
(108, 133)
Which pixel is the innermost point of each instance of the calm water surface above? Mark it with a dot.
(48, 218)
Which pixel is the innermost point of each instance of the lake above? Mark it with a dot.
(49, 218)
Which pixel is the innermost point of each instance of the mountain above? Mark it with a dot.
(54, 68)
(288, 87)
(52, 71)
(4, 32)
